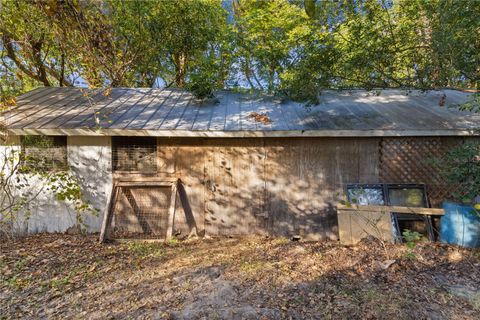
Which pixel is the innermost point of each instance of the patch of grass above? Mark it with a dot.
(254, 266)
(18, 283)
(111, 250)
(15, 280)
(20, 264)
(411, 256)
(370, 294)
(172, 241)
(59, 282)
(280, 240)
(144, 249)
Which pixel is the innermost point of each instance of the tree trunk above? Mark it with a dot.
(180, 62)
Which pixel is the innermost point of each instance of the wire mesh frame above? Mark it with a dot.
(148, 218)
(44, 153)
(134, 154)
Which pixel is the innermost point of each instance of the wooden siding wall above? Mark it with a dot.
(305, 180)
(283, 187)
(185, 159)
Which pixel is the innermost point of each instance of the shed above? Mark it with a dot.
(245, 163)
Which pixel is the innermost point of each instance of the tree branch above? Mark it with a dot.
(11, 53)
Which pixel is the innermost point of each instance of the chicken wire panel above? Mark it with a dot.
(410, 160)
(140, 213)
(44, 153)
(45, 159)
(134, 154)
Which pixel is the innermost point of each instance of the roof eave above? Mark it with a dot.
(246, 134)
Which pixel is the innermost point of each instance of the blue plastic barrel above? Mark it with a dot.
(460, 225)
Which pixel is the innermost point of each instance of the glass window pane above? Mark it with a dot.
(409, 197)
(365, 196)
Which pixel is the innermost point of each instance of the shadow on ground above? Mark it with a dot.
(60, 276)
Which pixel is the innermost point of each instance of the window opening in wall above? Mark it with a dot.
(134, 154)
(44, 153)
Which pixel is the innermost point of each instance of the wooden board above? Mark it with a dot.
(184, 159)
(356, 222)
(107, 214)
(396, 209)
(356, 225)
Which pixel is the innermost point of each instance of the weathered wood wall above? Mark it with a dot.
(305, 180)
(264, 186)
(280, 186)
(184, 159)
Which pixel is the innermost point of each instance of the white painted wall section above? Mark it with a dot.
(90, 160)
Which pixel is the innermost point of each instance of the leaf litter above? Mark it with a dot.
(61, 276)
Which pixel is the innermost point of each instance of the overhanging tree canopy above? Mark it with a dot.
(295, 48)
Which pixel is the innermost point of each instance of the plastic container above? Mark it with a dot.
(460, 225)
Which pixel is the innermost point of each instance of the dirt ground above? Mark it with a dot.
(64, 276)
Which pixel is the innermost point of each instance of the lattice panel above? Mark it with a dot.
(409, 160)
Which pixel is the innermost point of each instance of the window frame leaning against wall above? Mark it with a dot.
(134, 154)
(44, 153)
(362, 194)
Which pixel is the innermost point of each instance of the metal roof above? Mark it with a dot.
(174, 112)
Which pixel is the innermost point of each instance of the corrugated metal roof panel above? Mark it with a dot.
(173, 112)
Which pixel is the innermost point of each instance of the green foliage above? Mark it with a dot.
(473, 104)
(204, 77)
(461, 167)
(173, 241)
(38, 141)
(191, 35)
(411, 238)
(292, 48)
(270, 38)
(66, 188)
(143, 249)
